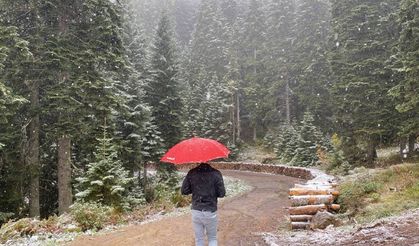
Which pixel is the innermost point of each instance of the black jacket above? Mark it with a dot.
(206, 185)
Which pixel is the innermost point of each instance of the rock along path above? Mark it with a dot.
(241, 218)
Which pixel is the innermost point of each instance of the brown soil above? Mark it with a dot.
(241, 218)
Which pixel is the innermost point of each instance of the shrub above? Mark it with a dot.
(91, 215)
(180, 200)
(106, 180)
(4, 217)
(15, 229)
(352, 194)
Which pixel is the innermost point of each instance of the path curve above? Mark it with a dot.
(262, 209)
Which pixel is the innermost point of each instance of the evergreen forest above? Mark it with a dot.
(93, 90)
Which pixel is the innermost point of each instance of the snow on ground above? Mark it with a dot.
(233, 186)
(395, 230)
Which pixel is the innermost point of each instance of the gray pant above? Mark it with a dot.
(205, 221)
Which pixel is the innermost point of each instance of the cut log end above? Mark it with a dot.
(301, 218)
(300, 225)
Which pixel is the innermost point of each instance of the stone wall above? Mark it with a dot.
(297, 172)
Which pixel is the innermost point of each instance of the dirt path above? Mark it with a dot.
(241, 218)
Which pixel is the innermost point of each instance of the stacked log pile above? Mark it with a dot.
(308, 199)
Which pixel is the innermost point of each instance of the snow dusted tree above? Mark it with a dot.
(308, 143)
(208, 45)
(162, 91)
(310, 54)
(405, 92)
(215, 110)
(251, 36)
(362, 43)
(106, 180)
(14, 53)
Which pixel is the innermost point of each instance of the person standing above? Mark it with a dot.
(206, 185)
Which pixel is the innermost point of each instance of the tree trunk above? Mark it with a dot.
(238, 115)
(287, 102)
(311, 200)
(145, 178)
(411, 144)
(254, 132)
(371, 151)
(402, 146)
(312, 191)
(32, 158)
(232, 118)
(306, 210)
(254, 66)
(65, 196)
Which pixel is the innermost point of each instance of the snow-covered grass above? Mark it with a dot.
(378, 193)
(233, 186)
(388, 231)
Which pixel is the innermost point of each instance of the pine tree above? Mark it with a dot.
(29, 29)
(208, 45)
(14, 54)
(279, 63)
(162, 92)
(195, 92)
(134, 122)
(312, 68)
(288, 143)
(362, 45)
(252, 36)
(407, 54)
(106, 180)
(184, 16)
(215, 111)
(308, 144)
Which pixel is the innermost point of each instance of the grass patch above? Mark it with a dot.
(385, 193)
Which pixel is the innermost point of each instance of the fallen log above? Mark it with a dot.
(311, 200)
(312, 191)
(306, 210)
(300, 225)
(301, 218)
(314, 186)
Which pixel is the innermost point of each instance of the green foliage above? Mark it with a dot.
(363, 35)
(385, 193)
(164, 186)
(299, 146)
(337, 162)
(14, 54)
(209, 109)
(90, 215)
(309, 142)
(105, 181)
(352, 194)
(405, 66)
(5, 216)
(10, 230)
(162, 91)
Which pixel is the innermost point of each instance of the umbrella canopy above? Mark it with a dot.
(195, 150)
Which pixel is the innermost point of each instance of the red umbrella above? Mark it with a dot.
(195, 150)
